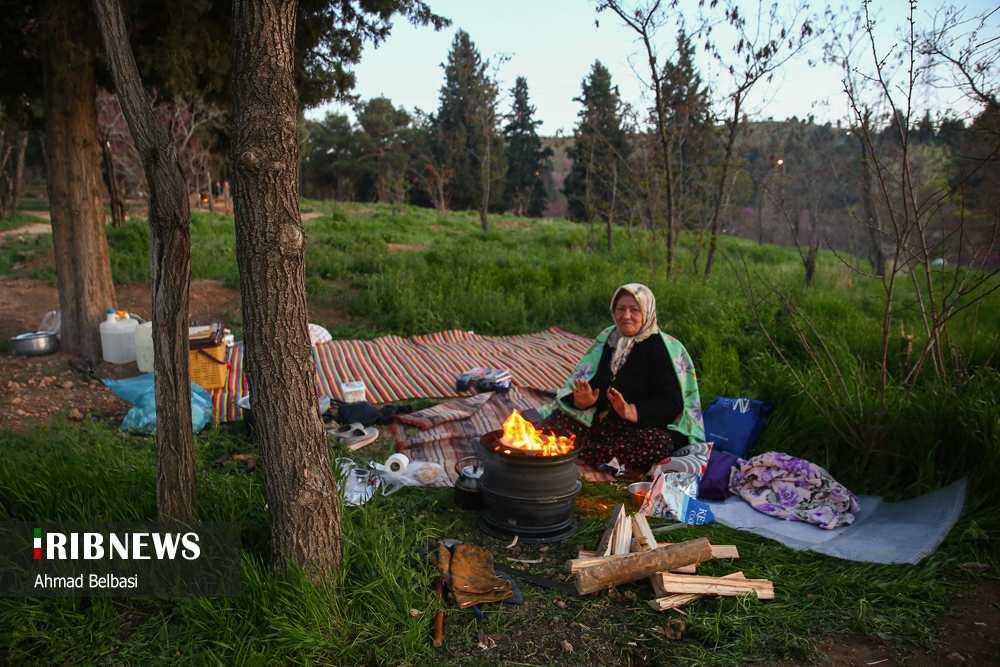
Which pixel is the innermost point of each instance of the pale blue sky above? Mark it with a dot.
(553, 43)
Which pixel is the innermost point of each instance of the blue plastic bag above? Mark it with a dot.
(141, 393)
(734, 424)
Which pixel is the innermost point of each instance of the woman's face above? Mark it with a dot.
(628, 315)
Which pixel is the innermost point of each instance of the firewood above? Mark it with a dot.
(683, 583)
(605, 545)
(640, 529)
(718, 550)
(666, 601)
(623, 535)
(632, 567)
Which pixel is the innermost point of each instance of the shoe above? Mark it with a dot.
(357, 437)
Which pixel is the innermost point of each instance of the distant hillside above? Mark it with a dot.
(561, 164)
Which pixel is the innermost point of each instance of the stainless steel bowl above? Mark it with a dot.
(36, 343)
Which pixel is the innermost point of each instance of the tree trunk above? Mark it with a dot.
(83, 266)
(170, 274)
(720, 193)
(18, 186)
(484, 212)
(270, 251)
(611, 213)
(117, 205)
(211, 194)
(810, 262)
(875, 254)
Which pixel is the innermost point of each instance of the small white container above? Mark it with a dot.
(144, 347)
(353, 392)
(118, 338)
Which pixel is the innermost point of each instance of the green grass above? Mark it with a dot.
(19, 220)
(510, 281)
(70, 472)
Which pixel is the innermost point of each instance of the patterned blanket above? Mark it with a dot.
(395, 368)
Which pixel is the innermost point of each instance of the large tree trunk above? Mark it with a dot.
(170, 274)
(270, 251)
(17, 189)
(83, 267)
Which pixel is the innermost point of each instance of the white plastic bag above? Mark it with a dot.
(51, 323)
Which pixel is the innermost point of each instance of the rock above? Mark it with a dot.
(16, 400)
(956, 657)
(21, 412)
(74, 415)
(67, 385)
(674, 629)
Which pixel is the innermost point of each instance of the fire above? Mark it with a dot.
(520, 434)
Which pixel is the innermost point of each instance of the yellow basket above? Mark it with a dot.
(208, 367)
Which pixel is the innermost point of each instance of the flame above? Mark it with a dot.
(520, 434)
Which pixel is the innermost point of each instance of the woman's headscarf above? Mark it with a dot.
(623, 344)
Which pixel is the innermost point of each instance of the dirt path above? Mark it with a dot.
(36, 228)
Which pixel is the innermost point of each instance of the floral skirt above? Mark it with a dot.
(636, 447)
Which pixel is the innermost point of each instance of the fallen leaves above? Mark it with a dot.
(672, 630)
(566, 646)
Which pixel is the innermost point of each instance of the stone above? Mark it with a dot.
(67, 385)
(74, 415)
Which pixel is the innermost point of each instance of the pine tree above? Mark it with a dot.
(525, 193)
(601, 144)
(465, 136)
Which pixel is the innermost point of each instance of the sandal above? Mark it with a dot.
(344, 430)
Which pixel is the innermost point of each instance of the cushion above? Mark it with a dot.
(692, 459)
(734, 424)
(715, 482)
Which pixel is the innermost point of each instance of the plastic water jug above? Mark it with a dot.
(118, 338)
(144, 347)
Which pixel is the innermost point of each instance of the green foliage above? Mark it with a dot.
(600, 144)
(525, 192)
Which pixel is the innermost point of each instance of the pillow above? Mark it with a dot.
(692, 458)
(715, 482)
(734, 424)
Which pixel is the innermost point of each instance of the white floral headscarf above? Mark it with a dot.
(623, 344)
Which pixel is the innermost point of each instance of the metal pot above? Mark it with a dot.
(36, 343)
(468, 494)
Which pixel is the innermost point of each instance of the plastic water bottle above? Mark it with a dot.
(118, 338)
(144, 347)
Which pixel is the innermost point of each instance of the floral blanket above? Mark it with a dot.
(783, 486)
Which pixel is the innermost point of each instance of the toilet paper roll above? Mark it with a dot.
(396, 463)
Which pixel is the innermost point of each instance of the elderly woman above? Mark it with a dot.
(634, 394)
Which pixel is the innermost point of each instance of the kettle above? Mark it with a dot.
(468, 492)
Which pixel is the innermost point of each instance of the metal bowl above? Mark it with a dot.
(639, 491)
(36, 343)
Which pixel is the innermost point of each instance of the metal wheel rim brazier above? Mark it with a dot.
(526, 495)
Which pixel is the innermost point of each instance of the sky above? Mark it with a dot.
(554, 43)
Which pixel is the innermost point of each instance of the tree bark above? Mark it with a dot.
(114, 190)
(270, 251)
(170, 274)
(83, 265)
(720, 193)
(18, 186)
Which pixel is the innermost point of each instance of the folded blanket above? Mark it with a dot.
(783, 486)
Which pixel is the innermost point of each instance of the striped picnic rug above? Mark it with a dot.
(395, 368)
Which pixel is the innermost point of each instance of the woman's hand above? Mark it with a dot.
(583, 395)
(625, 410)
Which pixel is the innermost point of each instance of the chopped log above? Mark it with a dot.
(640, 565)
(718, 550)
(687, 569)
(640, 530)
(605, 545)
(623, 536)
(666, 601)
(683, 583)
